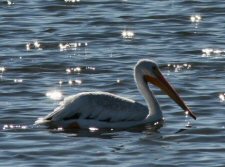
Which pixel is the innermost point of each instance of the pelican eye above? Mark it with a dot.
(154, 67)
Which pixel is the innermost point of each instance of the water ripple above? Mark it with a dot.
(53, 49)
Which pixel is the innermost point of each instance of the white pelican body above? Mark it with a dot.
(105, 110)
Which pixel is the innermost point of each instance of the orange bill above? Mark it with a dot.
(164, 85)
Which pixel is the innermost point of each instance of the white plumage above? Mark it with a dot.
(106, 110)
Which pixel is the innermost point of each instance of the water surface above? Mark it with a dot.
(53, 49)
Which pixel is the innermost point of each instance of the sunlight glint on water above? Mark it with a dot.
(54, 95)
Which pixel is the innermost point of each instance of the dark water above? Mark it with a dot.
(100, 43)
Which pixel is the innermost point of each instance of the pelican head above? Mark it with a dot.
(150, 73)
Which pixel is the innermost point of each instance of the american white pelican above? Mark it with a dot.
(105, 110)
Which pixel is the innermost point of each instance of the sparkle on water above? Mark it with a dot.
(54, 95)
(10, 2)
(33, 45)
(195, 18)
(68, 70)
(60, 129)
(222, 97)
(179, 67)
(76, 81)
(187, 120)
(60, 82)
(127, 34)
(93, 129)
(62, 46)
(70, 82)
(18, 80)
(2, 69)
(10, 126)
(72, 46)
(79, 69)
(210, 52)
(71, 1)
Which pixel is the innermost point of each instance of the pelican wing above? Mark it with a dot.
(100, 106)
